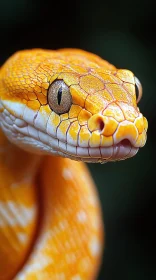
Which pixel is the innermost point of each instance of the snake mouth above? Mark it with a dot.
(46, 144)
(124, 149)
(32, 139)
(40, 139)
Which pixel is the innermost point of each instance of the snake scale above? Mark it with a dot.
(59, 109)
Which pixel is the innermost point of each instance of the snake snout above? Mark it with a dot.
(114, 132)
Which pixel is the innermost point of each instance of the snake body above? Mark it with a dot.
(56, 107)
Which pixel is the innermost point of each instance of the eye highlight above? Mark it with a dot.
(59, 97)
(138, 89)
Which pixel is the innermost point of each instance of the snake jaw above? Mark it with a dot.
(105, 143)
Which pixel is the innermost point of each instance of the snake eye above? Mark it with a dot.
(59, 97)
(138, 89)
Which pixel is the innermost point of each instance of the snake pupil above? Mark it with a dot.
(59, 95)
(136, 91)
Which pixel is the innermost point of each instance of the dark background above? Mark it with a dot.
(123, 32)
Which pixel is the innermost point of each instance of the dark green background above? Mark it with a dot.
(122, 32)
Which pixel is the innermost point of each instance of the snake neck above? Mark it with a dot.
(16, 165)
(18, 205)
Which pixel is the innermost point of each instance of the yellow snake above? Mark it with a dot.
(56, 106)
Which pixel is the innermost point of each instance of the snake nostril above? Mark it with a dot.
(101, 124)
(96, 123)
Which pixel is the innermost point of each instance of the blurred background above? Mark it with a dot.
(124, 33)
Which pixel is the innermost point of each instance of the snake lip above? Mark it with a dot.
(40, 141)
(120, 151)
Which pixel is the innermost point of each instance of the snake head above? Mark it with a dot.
(71, 103)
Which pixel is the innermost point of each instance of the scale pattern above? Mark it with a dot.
(50, 217)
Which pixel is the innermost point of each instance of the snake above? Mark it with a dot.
(58, 110)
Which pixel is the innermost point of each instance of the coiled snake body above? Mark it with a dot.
(56, 106)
